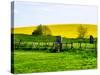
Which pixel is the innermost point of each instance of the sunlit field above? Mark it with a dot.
(41, 61)
(64, 30)
(35, 53)
(51, 37)
(29, 58)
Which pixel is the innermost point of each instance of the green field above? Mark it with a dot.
(26, 59)
(39, 38)
(41, 61)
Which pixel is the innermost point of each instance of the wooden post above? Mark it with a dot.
(60, 47)
(85, 44)
(58, 44)
(32, 45)
(80, 45)
(66, 45)
(95, 45)
(19, 43)
(71, 45)
(39, 45)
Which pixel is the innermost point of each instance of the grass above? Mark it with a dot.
(41, 61)
(28, 38)
(39, 38)
(26, 60)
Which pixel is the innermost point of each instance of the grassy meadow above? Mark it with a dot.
(29, 60)
(41, 61)
(26, 59)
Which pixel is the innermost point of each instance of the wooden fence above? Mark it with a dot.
(50, 45)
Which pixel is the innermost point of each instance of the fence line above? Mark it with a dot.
(49, 45)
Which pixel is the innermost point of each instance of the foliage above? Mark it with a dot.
(82, 31)
(38, 31)
(42, 30)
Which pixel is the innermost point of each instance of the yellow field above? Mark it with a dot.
(65, 30)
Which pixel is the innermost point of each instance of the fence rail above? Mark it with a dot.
(50, 45)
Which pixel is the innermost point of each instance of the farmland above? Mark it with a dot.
(41, 53)
(27, 59)
(41, 61)
(50, 37)
(64, 30)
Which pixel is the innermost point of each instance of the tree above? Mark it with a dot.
(42, 30)
(46, 30)
(82, 31)
(38, 31)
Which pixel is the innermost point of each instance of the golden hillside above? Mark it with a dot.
(65, 30)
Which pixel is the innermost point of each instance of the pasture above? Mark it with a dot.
(41, 61)
(33, 54)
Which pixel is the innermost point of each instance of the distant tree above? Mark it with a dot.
(42, 30)
(82, 31)
(46, 30)
(38, 31)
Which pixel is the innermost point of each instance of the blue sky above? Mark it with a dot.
(29, 13)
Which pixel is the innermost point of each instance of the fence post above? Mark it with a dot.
(32, 45)
(71, 45)
(39, 45)
(80, 45)
(66, 45)
(95, 45)
(19, 44)
(60, 47)
(85, 43)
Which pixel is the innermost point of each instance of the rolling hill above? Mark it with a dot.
(65, 30)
